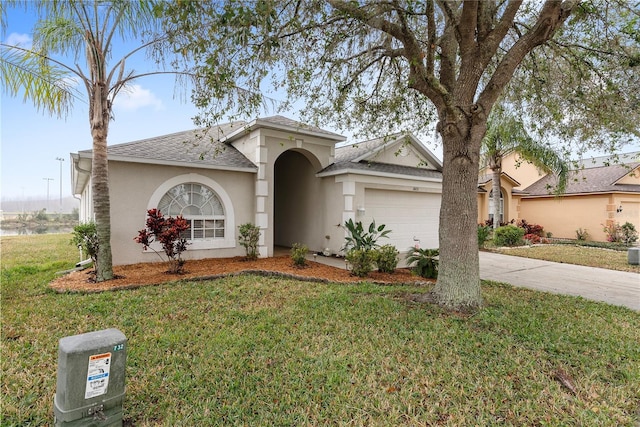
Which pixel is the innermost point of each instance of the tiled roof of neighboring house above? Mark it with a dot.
(193, 147)
(595, 162)
(590, 180)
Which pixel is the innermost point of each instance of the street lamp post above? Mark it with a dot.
(60, 159)
(48, 181)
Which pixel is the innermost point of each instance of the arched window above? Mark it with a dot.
(501, 218)
(199, 205)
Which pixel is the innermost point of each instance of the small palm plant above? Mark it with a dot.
(424, 262)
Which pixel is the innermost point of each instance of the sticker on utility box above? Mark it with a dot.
(97, 375)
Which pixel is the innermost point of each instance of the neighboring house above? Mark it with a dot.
(597, 194)
(595, 197)
(288, 178)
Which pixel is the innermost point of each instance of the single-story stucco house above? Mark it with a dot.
(298, 183)
(598, 193)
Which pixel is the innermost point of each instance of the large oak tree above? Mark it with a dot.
(375, 65)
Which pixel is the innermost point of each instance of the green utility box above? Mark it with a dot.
(91, 377)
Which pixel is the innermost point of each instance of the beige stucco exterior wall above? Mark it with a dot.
(129, 204)
(564, 215)
(521, 170)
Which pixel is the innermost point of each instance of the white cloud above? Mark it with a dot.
(135, 97)
(22, 40)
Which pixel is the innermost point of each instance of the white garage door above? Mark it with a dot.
(407, 214)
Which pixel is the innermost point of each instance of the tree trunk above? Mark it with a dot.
(99, 119)
(458, 285)
(495, 195)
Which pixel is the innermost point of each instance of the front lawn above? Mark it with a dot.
(575, 254)
(251, 350)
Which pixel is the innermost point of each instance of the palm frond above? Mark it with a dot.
(48, 87)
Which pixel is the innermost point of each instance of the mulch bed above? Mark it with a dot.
(147, 274)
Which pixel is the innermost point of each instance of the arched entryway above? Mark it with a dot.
(298, 201)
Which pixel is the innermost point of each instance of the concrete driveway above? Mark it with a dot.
(598, 284)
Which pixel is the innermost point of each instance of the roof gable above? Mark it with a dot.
(483, 179)
(400, 149)
(384, 157)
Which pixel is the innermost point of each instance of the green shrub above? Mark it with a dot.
(629, 233)
(358, 238)
(86, 236)
(40, 216)
(361, 261)
(387, 258)
(484, 231)
(249, 237)
(509, 235)
(424, 262)
(581, 234)
(299, 255)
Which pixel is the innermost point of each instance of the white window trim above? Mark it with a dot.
(229, 240)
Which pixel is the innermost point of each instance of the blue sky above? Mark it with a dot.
(31, 140)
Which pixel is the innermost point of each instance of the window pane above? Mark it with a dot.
(195, 201)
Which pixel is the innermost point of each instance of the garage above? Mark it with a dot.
(409, 215)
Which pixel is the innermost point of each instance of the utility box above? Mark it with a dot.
(91, 377)
(633, 256)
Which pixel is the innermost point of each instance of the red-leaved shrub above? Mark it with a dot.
(166, 231)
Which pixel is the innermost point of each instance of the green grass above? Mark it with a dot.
(264, 351)
(579, 255)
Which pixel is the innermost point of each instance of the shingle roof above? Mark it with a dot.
(193, 147)
(346, 158)
(590, 180)
(382, 168)
(483, 179)
(283, 124)
(286, 122)
(347, 153)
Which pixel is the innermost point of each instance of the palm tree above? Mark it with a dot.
(507, 134)
(84, 30)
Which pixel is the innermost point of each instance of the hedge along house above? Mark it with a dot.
(288, 178)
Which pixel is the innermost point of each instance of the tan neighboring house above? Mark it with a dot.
(597, 194)
(288, 178)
